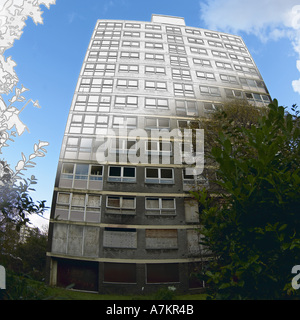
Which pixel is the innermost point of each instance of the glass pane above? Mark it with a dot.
(151, 173)
(166, 173)
(68, 168)
(82, 169)
(115, 171)
(129, 172)
(96, 170)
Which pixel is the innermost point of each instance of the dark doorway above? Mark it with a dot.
(83, 274)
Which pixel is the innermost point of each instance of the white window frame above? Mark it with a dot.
(160, 209)
(121, 178)
(159, 179)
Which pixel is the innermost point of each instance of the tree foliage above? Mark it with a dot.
(252, 227)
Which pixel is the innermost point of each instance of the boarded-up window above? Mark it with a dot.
(119, 238)
(191, 209)
(193, 239)
(161, 239)
(120, 272)
(163, 273)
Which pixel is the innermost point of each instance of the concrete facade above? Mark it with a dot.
(122, 227)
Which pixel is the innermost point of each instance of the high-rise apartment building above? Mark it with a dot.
(124, 225)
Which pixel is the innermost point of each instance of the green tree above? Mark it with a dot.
(32, 253)
(252, 226)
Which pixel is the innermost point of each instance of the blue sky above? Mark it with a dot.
(49, 57)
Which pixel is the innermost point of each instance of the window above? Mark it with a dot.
(258, 84)
(105, 45)
(205, 75)
(126, 102)
(153, 35)
(193, 31)
(223, 65)
(120, 205)
(180, 74)
(155, 85)
(241, 59)
(186, 108)
(123, 146)
(159, 175)
(173, 30)
(124, 122)
(161, 239)
(96, 172)
(211, 34)
(107, 34)
(78, 207)
(211, 91)
(219, 54)
(96, 85)
(183, 124)
(158, 147)
(156, 103)
(92, 103)
(133, 44)
(215, 44)
(154, 56)
(121, 174)
(176, 49)
(99, 69)
(130, 55)
(155, 70)
(230, 39)
(102, 56)
(202, 62)
(258, 97)
(235, 48)
(230, 93)
(186, 90)
(196, 41)
(198, 51)
(175, 39)
(208, 107)
(152, 27)
(228, 78)
(131, 34)
(128, 68)
(133, 25)
(109, 25)
(157, 123)
(179, 61)
(192, 177)
(127, 84)
(154, 45)
(160, 206)
(88, 124)
(124, 238)
(80, 148)
(162, 273)
(245, 69)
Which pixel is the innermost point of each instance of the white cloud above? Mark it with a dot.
(266, 19)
